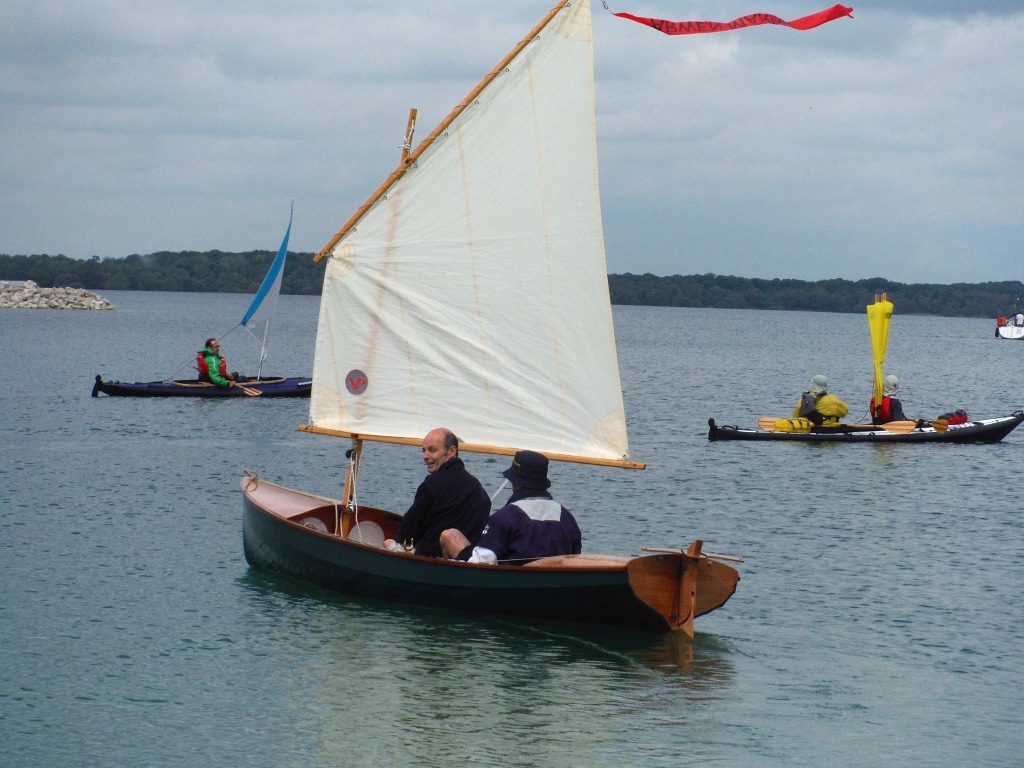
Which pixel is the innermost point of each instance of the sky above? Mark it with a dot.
(886, 145)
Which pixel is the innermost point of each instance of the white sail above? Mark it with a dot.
(473, 294)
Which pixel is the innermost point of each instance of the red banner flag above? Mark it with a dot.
(753, 20)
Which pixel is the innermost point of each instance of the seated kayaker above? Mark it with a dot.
(531, 525)
(820, 407)
(212, 367)
(890, 409)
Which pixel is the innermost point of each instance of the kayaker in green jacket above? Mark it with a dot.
(212, 367)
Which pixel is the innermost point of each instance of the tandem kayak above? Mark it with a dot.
(266, 386)
(975, 431)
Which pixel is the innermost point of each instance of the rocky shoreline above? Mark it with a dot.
(25, 294)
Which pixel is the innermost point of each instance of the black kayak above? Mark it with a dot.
(976, 431)
(267, 386)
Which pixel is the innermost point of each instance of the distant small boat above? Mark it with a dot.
(261, 309)
(1007, 330)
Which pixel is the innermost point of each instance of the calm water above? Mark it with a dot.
(878, 620)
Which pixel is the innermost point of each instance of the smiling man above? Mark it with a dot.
(449, 497)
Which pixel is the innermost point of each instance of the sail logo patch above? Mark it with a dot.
(356, 382)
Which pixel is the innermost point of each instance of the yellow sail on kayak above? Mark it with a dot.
(879, 318)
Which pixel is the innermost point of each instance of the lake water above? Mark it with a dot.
(878, 620)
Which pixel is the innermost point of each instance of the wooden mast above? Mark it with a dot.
(348, 497)
(410, 128)
(410, 160)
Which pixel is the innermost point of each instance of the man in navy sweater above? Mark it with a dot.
(449, 497)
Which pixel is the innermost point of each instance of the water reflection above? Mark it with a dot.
(438, 687)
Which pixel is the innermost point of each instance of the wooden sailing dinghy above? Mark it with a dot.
(470, 291)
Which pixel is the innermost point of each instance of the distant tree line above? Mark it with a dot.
(187, 271)
(723, 292)
(220, 272)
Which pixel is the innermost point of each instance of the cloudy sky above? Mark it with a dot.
(887, 145)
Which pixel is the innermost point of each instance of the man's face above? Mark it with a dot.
(434, 454)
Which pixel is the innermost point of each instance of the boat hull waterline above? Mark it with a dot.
(1010, 332)
(978, 431)
(268, 386)
(292, 532)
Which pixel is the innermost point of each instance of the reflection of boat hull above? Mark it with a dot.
(1010, 331)
(980, 431)
(293, 532)
(267, 385)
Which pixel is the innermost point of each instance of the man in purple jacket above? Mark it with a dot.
(529, 526)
